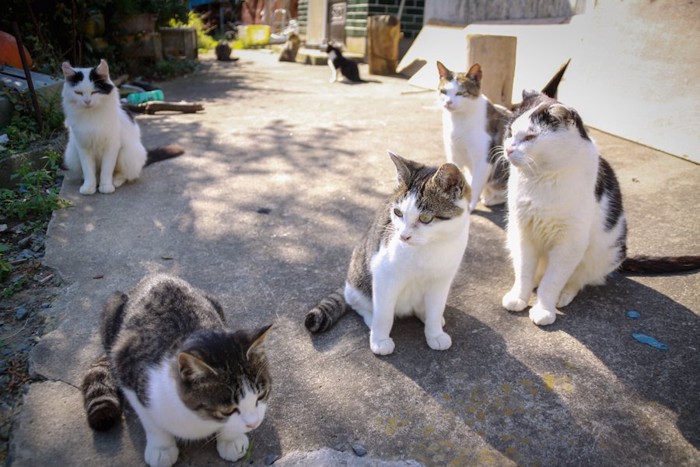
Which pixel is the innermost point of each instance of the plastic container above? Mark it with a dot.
(254, 34)
(141, 97)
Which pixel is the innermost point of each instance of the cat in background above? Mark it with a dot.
(406, 261)
(347, 67)
(291, 48)
(473, 129)
(185, 373)
(566, 223)
(102, 137)
(223, 52)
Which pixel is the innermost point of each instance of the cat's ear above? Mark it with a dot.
(560, 112)
(404, 168)
(257, 341)
(68, 71)
(451, 181)
(529, 94)
(444, 72)
(568, 116)
(192, 368)
(475, 72)
(102, 69)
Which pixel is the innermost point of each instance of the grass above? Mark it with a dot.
(29, 205)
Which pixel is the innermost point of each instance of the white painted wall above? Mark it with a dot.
(633, 73)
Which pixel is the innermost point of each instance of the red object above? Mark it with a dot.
(9, 53)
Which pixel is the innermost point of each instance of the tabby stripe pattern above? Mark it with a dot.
(103, 400)
(326, 313)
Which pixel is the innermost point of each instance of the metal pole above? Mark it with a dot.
(28, 75)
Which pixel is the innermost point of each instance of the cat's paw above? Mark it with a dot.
(440, 342)
(232, 449)
(382, 347)
(513, 302)
(118, 180)
(87, 189)
(541, 316)
(106, 188)
(161, 456)
(566, 297)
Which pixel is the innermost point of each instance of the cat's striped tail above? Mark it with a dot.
(326, 313)
(102, 398)
(659, 264)
(162, 153)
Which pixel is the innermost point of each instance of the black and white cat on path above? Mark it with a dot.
(566, 222)
(337, 62)
(104, 140)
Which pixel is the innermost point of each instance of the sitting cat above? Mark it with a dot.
(102, 136)
(347, 67)
(291, 48)
(186, 375)
(473, 131)
(405, 263)
(223, 52)
(566, 223)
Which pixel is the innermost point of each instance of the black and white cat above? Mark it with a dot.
(347, 67)
(566, 223)
(473, 129)
(103, 138)
(406, 262)
(187, 376)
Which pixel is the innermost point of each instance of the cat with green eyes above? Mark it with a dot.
(169, 352)
(406, 261)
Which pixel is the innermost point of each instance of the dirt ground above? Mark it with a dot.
(25, 297)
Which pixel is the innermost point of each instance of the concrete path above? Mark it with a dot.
(282, 173)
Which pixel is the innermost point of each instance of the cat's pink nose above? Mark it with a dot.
(404, 238)
(509, 150)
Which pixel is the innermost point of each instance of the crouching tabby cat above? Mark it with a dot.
(566, 224)
(102, 137)
(405, 263)
(187, 376)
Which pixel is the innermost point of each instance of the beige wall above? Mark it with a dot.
(316, 27)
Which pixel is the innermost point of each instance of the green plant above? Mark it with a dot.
(205, 42)
(23, 129)
(36, 195)
(14, 287)
(5, 267)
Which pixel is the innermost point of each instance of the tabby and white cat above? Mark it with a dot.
(405, 263)
(473, 128)
(566, 223)
(187, 376)
(102, 136)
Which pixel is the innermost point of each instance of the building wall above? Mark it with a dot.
(470, 11)
(357, 13)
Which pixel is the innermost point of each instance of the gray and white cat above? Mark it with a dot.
(406, 262)
(103, 139)
(187, 376)
(566, 223)
(473, 129)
